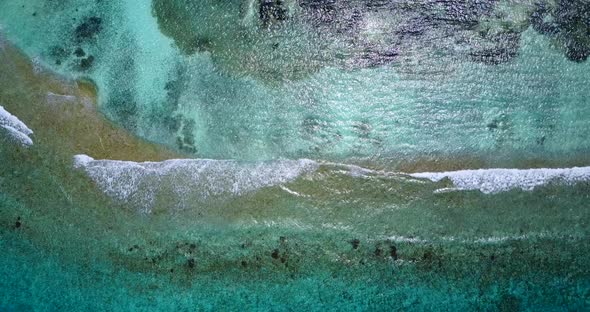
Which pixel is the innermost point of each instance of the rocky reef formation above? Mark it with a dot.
(285, 39)
(568, 23)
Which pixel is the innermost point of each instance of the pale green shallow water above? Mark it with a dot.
(379, 85)
(430, 101)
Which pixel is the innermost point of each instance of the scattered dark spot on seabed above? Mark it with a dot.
(191, 263)
(89, 29)
(86, 63)
(393, 252)
(378, 251)
(79, 52)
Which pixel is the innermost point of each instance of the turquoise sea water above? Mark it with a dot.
(274, 104)
(428, 100)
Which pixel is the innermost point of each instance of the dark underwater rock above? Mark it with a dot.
(86, 63)
(393, 252)
(378, 251)
(275, 254)
(272, 11)
(88, 29)
(278, 40)
(190, 263)
(568, 24)
(577, 52)
(79, 52)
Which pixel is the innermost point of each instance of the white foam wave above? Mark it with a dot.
(486, 240)
(491, 181)
(17, 136)
(184, 181)
(15, 128)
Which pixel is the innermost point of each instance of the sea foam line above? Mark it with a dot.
(16, 129)
(187, 180)
(488, 181)
(486, 240)
(492, 181)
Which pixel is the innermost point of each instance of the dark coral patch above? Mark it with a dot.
(88, 29)
(190, 263)
(79, 52)
(275, 254)
(86, 64)
(393, 252)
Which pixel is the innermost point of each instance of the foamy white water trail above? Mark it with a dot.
(187, 179)
(491, 181)
(183, 181)
(15, 128)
